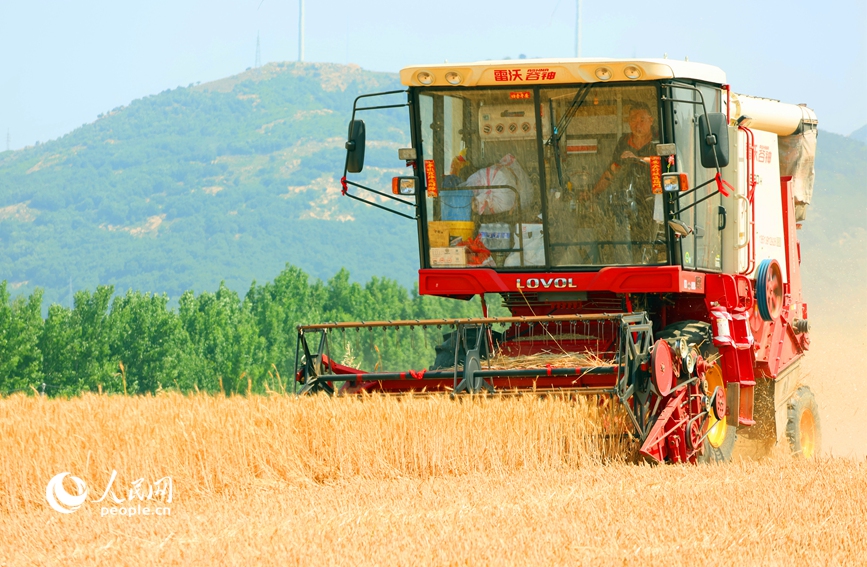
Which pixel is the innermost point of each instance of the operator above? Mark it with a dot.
(635, 145)
(629, 233)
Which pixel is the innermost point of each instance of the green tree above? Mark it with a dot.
(20, 329)
(75, 346)
(278, 308)
(148, 339)
(223, 338)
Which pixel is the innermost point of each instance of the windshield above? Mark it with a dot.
(551, 177)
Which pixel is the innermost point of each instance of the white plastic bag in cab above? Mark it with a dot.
(507, 172)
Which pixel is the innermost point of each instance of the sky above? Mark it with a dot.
(63, 63)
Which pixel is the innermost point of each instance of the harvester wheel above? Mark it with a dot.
(720, 442)
(803, 428)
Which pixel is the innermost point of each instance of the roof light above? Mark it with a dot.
(425, 77)
(603, 73)
(632, 72)
(453, 78)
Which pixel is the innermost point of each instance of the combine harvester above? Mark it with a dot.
(639, 221)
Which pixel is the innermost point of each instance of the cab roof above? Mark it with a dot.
(530, 72)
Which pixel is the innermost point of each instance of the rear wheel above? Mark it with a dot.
(720, 441)
(803, 428)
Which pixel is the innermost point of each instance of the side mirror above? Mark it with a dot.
(713, 138)
(355, 147)
(675, 182)
(680, 228)
(404, 185)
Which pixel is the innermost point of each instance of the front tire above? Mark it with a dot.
(721, 436)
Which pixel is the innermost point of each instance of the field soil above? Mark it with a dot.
(388, 481)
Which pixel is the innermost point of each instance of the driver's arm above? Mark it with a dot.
(606, 178)
(609, 174)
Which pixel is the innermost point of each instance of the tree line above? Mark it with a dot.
(214, 342)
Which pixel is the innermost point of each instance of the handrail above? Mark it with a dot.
(751, 191)
(465, 321)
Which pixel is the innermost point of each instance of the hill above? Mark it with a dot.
(860, 134)
(834, 235)
(228, 180)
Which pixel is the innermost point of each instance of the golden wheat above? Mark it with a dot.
(397, 481)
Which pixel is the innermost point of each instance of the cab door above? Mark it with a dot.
(702, 249)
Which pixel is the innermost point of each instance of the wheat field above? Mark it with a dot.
(402, 481)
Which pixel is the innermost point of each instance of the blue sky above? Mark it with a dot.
(64, 62)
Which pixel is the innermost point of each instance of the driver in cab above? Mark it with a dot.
(635, 145)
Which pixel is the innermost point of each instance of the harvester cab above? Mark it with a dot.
(638, 220)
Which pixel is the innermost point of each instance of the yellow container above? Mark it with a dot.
(465, 229)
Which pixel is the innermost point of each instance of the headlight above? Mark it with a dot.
(604, 73)
(632, 72)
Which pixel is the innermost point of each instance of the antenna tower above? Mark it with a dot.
(300, 30)
(258, 53)
(577, 28)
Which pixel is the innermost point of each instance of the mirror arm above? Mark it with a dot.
(691, 205)
(392, 197)
(378, 206)
(694, 189)
(384, 105)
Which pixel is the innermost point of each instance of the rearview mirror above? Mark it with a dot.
(713, 138)
(680, 228)
(355, 147)
(675, 182)
(404, 185)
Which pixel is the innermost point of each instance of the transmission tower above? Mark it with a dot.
(577, 28)
(258, 53)
(8, 140)
(300, 30)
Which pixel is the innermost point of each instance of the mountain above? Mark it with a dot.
(834, 236)
(231, 180)
(860, 134)
(228, 180)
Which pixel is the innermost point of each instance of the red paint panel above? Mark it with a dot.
(653, 279)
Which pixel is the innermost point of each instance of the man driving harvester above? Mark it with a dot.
(628, 204)
(635, 145)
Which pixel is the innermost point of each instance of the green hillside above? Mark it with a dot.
(228, 180)
(233, 179)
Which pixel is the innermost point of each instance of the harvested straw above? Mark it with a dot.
(502, 361)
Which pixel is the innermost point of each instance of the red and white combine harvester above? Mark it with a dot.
(639, 221)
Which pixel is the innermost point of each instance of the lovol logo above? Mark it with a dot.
(536, 283)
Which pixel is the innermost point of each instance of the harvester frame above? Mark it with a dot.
(704, 297)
